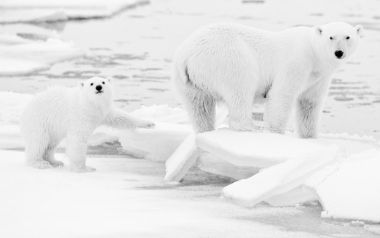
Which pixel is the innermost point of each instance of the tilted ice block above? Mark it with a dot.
(283, 177)
(352, 190)
(209, 163)
(181, 160)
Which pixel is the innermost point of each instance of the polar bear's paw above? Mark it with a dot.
(244, 126)
(56, 163)
(82, 169)
(146, 124)
(40, 164)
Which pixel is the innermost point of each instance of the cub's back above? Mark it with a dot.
(49, 110)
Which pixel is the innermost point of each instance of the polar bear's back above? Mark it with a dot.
(49, 112)
(228, 51)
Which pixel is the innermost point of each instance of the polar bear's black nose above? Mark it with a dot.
(339, 54)
(98, 87)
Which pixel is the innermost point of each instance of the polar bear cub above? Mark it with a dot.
(73, 113)
(239, 64)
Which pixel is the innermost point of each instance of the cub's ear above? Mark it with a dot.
(109, 80)
(82, 84)
(318, 30)
(359, 30)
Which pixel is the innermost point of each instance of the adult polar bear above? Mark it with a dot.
(73, 113)
(237, 64)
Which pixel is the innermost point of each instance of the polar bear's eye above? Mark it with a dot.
(92, 84)
(347, 37)
(331, 38)
(103, 82)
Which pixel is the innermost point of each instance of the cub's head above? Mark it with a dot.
(97, 89)
(337, 39)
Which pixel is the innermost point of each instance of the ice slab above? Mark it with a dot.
(283, 177)
(248, 149)
(352, 190)
(22, 56)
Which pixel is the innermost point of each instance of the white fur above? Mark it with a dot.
(73, 113)
(239, 64)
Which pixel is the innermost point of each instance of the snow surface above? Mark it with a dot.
(126, 198)
(16, 11)
(22, 56)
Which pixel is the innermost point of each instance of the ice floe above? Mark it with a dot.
(16, 11)
(21, 56)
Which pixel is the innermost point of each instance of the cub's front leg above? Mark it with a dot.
(121, 120)
(76, 151)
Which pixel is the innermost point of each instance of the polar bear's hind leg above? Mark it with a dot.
(49, 156)
(200, 106)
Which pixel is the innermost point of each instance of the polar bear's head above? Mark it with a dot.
(338, 39)
(97, 89)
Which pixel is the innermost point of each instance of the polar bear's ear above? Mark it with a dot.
(318, 30)
(359, 30)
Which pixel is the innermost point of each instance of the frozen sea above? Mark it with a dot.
(135, 48)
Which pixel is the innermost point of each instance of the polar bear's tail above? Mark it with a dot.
(199, 104)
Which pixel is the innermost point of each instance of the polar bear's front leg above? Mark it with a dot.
(239, 100)
(277, 113)
(309, 107)
(281, 99)
(120, 119)
(76, 150)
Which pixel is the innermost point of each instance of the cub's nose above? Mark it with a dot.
(98, 87)
(339, 54)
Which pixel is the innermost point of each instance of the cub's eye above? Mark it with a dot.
(347, 37)
(92, 84)
(331, 38)
(103, 82)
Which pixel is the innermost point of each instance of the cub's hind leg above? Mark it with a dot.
(49, 155)
(35, 151)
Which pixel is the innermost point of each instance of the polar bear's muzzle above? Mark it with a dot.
(339, 54)
(99, 89)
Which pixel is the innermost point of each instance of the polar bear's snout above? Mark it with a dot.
(99, 89)
(339, 54)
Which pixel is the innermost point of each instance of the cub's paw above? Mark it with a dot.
(146, 124)
(277, 130)
(56, 163)
(40, 164)
(82, 169)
